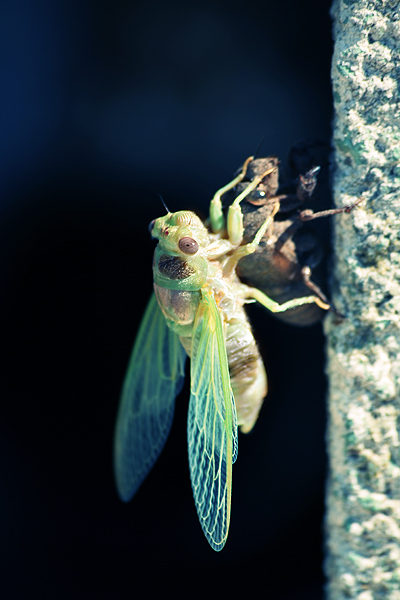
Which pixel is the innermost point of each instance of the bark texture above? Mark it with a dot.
(363, 490)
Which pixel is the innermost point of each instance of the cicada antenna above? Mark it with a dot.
(164, 205)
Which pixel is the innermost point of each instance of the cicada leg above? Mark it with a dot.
(235, 226)
(275, 307)
(309, 215)
(251, 247)
(217, 219)
(306, 277)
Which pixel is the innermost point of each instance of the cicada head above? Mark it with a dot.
(179, 261)
(180, 233)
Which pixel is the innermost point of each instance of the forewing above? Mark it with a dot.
(154, 378)
(212, 428)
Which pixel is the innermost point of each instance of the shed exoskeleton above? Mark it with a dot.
(283, 262)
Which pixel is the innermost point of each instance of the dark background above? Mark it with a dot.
(104, 105)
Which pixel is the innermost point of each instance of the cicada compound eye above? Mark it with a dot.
(188, 245)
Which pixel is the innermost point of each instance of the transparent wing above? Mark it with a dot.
(154, 378)
(212, 426)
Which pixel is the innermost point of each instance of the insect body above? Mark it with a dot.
(197, 309)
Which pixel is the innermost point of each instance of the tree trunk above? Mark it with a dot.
(363, 490)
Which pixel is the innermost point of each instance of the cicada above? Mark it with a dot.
(196, 310)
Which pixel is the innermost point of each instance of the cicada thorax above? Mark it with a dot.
(176, 285)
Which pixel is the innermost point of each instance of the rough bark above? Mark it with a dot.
(363, 490)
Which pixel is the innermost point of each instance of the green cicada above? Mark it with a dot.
(197, 309)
